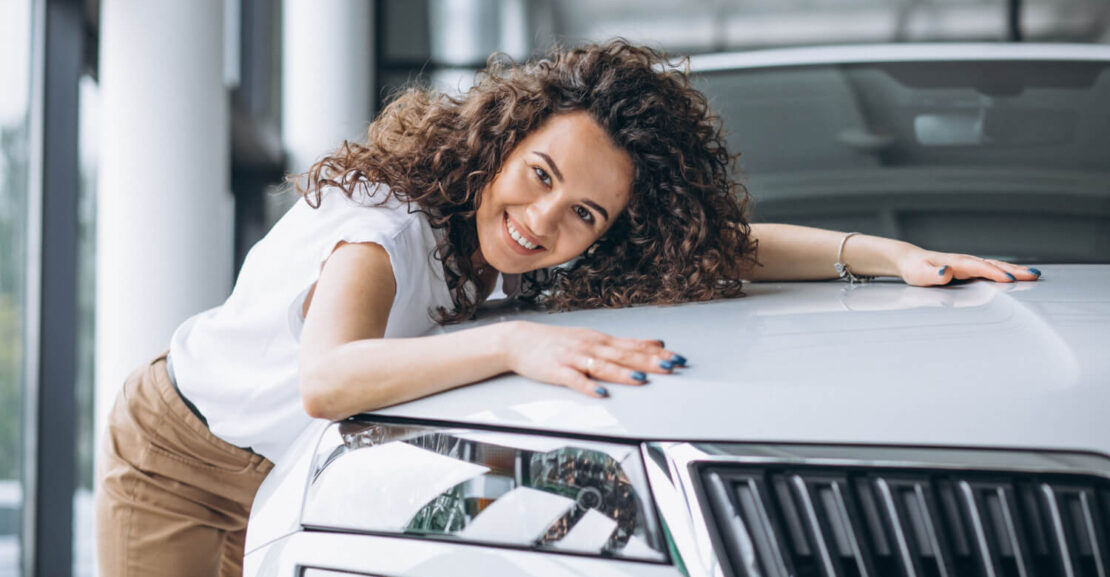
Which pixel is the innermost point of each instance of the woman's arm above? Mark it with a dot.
(788, 252)
(346, 366)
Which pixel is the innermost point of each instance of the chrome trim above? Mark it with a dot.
(897, 527)
(820, 541)
(747, 547)
(1092, 534)
(1058, 529)
(954, 459)
(681, 506)
(765, 522)
(1007, 504)
(980, 531)
(930, 528)
(846, 522)
(908, 52)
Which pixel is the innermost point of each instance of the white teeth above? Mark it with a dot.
(519, 238)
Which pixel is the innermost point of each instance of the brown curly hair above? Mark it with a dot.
(683, 236)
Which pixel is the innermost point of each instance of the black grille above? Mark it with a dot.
(877, 523)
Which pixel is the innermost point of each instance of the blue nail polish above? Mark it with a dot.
(1035, 271)
(667, 365)
(1010, 276)
(639, 376)
(679, 360)
(942, 270)
(602, 391)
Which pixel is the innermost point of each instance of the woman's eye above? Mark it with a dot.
(542, 175)
(584, 214)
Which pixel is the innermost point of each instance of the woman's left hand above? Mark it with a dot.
(920, 267)
(791, 252)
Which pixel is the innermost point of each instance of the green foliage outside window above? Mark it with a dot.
(13, 190)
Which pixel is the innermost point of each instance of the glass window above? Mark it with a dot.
(1003, 158)
(15, 69)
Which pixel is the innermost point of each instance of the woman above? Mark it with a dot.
(593, 178)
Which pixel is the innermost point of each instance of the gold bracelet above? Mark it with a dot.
(842, 269)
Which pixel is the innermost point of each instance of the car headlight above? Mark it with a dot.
(491, 487)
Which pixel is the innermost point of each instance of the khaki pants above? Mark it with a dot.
(172, 499)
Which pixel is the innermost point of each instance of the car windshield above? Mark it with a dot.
(1008, 159)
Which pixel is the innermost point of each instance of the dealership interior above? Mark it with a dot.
(144, 145)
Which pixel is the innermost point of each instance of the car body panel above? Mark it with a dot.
(422, 558)
(980, 364)
(284, 491)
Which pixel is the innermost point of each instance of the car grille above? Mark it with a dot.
(877, 522)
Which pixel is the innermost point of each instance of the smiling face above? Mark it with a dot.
(558, 191)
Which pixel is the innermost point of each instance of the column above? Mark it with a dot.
(165, 211)
(327, 76)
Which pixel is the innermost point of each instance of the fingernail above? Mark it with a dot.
(667, 365)
(942, 270)
(1010, 276)
(639, 376)
(602, 391)
(661, 343)
(1034, 271)
(678, 360)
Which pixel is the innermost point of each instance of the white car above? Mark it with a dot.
(820, 428)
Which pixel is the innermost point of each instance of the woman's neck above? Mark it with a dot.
(486, 275)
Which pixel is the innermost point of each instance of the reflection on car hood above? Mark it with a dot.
(975, 364)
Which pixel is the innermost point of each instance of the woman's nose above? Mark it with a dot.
(543, 215)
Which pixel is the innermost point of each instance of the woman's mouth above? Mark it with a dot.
(518, 240)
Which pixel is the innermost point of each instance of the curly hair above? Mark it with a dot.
(683, 236)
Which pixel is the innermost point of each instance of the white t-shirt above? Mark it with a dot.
(238, 362)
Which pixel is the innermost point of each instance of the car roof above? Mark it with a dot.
(907, 52)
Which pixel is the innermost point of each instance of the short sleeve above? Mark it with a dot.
(383, 225)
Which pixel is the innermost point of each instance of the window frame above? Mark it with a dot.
(49, 417)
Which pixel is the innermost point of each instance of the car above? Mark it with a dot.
(820, 428)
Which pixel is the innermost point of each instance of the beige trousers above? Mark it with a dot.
(172, 499)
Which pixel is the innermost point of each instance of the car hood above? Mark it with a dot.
(974, 364)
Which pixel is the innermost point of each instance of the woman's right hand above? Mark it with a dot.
(571, 356)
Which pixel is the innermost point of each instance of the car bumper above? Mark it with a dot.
(336, 554)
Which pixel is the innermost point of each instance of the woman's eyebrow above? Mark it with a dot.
(597, 207)
(550, 164)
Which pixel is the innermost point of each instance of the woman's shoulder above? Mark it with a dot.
(371, 205)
